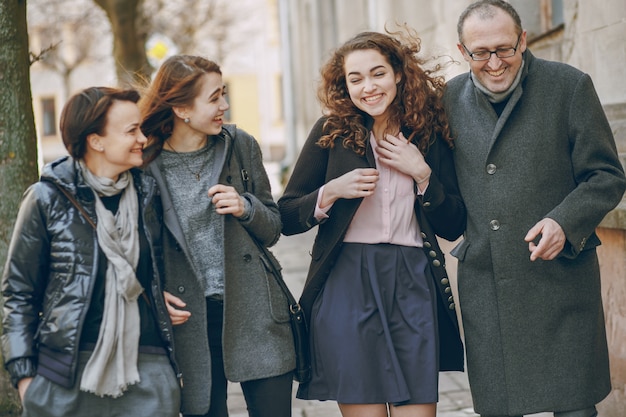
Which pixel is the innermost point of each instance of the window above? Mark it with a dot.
(551, 14)
(49, 117)
(539, 16)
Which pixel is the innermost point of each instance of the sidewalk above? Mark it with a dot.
(293, 254)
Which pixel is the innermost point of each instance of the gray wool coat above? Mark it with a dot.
(257, 338)
(534, 331)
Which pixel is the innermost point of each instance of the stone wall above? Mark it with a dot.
(612, 256)
(613, 271)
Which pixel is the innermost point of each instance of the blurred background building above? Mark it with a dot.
(271, 52)
(76, 40)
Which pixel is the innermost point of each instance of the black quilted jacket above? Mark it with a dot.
(50, 272)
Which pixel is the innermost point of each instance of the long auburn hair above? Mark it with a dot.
(417, 105)
(176, 84)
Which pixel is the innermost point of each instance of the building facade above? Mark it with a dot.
(82, 46)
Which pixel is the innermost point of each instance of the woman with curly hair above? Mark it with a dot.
(376, 175)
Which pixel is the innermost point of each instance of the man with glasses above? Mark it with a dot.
(538, 170)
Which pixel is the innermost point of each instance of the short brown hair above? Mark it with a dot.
(485, 9)
(86, 113)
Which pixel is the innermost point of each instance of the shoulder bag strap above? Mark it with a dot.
(294, 306)
(76, 204)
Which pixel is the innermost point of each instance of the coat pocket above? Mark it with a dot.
(460, 250)
(279, 306)
(52, 295)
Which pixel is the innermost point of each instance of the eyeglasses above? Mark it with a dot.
(485, 55)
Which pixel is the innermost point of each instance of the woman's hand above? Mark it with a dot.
(403, 156)
(359, 182)
(22, 386)
(174, 305)
(226, 200)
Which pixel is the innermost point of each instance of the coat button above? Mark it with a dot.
(427, 244)
(180, 289)
(491, 169)
(444, 281)
(423, 235)
(247, 257)
(436, 262)
(426, 204)
(448, 290)
(432, 254)
(494, 225)
(451, 306)
(451, 298)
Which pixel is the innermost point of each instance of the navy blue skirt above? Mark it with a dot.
(373, 329)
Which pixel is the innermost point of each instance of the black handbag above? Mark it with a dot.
(302, 373)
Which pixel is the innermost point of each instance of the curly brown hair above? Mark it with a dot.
(417, 105)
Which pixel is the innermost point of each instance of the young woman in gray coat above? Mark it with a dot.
(231, 318)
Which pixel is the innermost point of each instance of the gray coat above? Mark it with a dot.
(535, 334)
(257, 339)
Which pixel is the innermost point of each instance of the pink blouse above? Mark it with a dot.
(387, 216)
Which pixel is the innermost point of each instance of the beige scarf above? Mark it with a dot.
(113, 364)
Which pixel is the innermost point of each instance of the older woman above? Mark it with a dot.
(85, 328)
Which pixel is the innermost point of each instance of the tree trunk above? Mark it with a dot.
(18, 140)
(129, 51)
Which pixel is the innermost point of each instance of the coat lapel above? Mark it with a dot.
(169, 214)
(170, 219)
(508, 110)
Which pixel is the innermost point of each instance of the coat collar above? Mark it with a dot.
(515, 97)
(65, 171)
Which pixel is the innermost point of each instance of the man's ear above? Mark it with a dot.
(522, 43)
(463, 52)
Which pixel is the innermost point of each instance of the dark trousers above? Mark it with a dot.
(587, 412)
(267, 397)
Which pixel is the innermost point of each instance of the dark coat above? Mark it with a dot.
(439, 212)
(257, 340)
(534, 331)
(51, 269)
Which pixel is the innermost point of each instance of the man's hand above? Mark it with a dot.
(550, 244)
